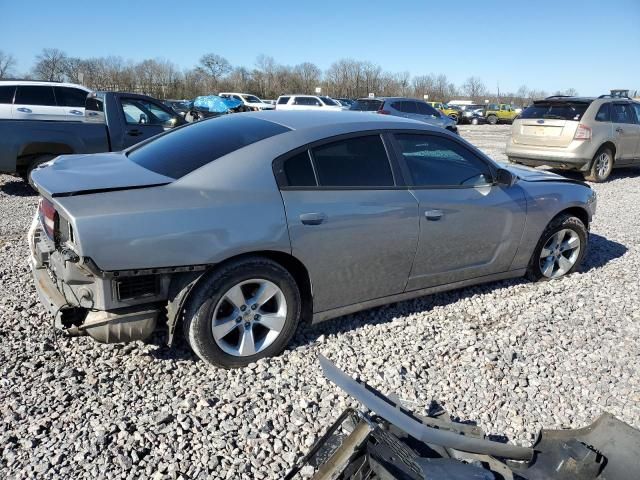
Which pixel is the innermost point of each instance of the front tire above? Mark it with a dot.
(492, 119)
(601, 166)
(242, 312)
(474, 121)
(560, 250)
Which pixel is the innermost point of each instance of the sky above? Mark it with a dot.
(590, 45)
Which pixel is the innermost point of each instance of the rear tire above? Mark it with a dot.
(492, 119)
(601, 166)
(474, 121)
(33, 164)
(560, 250)
(213, 307)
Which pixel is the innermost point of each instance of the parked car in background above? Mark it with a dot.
(500, 113)
(451, 111)
(472, 114)
(407, 108)
(591, 135)
(179, 106)
(345, 102)
(30, 100)
(207, 106)
(222, 227)
(113, 121)
(251, 102)
(270, 102)
(306, 102)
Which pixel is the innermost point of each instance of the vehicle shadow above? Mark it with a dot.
(601, 251)
(17, 187)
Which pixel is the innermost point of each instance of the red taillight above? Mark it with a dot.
(384, 112)
(583, 132)
(47, 216)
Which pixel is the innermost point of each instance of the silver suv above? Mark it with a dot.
(575, 133)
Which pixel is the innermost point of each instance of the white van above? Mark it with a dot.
(30, 100)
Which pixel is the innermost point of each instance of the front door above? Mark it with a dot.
(469, 227)
(143, 120)
(354, 230)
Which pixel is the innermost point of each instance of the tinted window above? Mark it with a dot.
(437, 161)
(604, 114)
(365, 105)
(35, 95)
(405, 106)
(283, 100)
(355, 162)
(299, 171)
(556, 110)
(142, 112)
(186, 149)
(329, 101)
(70, 97)
(6, 93)
(425, 109)
(636, 107)
(621, 113)
(306, 101)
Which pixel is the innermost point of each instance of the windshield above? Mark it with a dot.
(251, 99)
(185, 149)
(329, 101)
(555, 110)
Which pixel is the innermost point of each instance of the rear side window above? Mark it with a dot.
(354, 162)
(299, 172)
(283, 100)
(183, 150)
(555, 110)
(306, 101)
(604, 113)
(405, 106)
(367, 105)
(621, 113)
(70, 97)
(6, 93)
(438, 162)
(35, 95)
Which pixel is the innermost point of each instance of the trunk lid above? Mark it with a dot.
(85, 174)
(548, 123)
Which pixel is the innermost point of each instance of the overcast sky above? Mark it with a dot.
(591, 46)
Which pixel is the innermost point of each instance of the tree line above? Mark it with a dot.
(345, 78)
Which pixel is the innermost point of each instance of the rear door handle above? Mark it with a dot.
(619, 130)
(75, 112)
(312, 218)
(134, 133)
(24, 110)
(433, 214)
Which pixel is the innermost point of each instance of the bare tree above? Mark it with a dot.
(474, 88)
(215, 66)
(50, 65)
(7, 63)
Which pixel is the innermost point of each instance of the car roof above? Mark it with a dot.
(300, 120)
(43, 83)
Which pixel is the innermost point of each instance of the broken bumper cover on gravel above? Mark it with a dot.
(388, 441)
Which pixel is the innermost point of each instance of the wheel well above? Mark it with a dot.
(578, 212)
(611, 146)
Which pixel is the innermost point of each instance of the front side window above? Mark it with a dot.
(70, 97)
(252, 99)
(405, 106)
(35, 95)
(604, 113)
(141, 112)
(354, 162)
(636, 107)
(329, 101)
(438, 162)
(283, 100)
(6, 93)
(425, 109)
(621, 113)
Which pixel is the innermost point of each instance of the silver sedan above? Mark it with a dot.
(240, 228)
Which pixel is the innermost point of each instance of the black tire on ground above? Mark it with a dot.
(492, 119)
(474, 121)
(33, 164)
(601, 166)
(200, 306)
(561, 222)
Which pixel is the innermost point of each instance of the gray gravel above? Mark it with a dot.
(513, 356)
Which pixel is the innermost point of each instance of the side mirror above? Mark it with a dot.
(505, 177)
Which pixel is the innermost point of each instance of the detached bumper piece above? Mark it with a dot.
(388, 442)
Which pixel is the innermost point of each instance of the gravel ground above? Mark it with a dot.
(513, 356)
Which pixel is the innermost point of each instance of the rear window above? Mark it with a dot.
(367, 105)
(6, 93)
(183, 150)
(555, 110)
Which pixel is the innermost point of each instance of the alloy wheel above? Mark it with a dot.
(560, 253)
(603, 164)
(249, 317)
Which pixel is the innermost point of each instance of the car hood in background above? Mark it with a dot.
(83, 174)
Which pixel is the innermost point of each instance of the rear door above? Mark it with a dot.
(144, 119)
(636, 108)
(7, 92)
(350, 223)
(548, 123)
(626, 130)
(36, 102)
(469, 227)
(72, 101)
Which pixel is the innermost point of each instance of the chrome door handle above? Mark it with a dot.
(24, 110)
(433, 214)
(619, 130)
(312, 218)
(75, 112)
